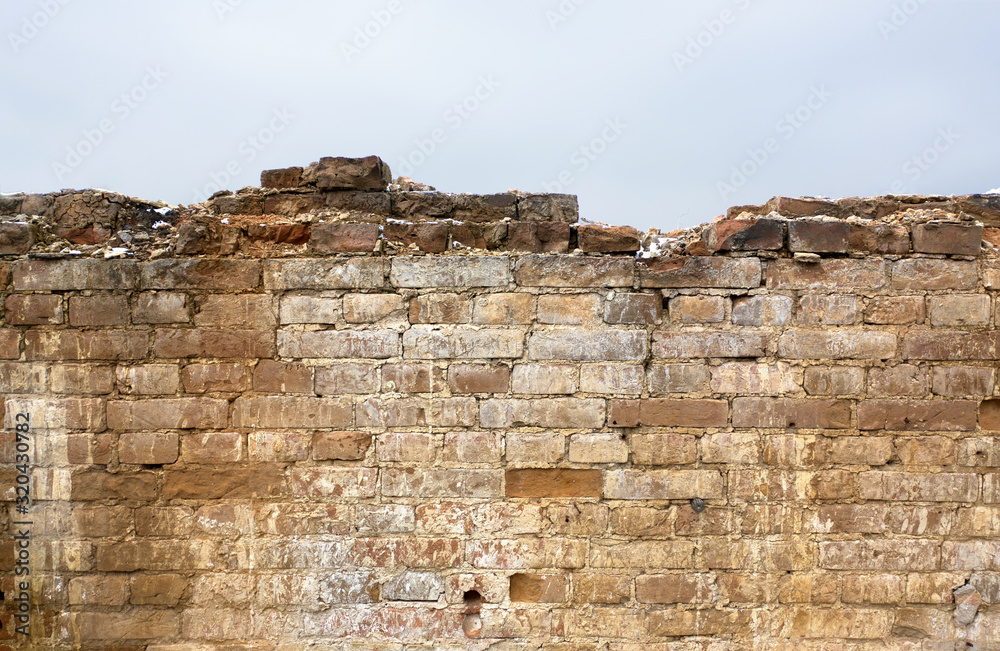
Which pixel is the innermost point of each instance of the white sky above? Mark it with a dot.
(610, 98)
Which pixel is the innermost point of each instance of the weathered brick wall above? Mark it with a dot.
(782, 437)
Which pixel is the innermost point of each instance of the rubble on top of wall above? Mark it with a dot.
(352, 206)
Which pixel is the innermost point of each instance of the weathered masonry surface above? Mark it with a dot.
(322, 415)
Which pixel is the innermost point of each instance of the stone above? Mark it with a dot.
(874, 237)
(34, 309)
(450, 272)
(432, 237)
(548, 208)
(758, 234)
(608, 239)
(539, 588)
(841, 275)
(368, 174)
(340, 446)
(16, 238)
(818, 236)
(948, 237)
(700, 272)
(550, 483)
(698, 309)
(573, 271)
(967, 602)
(341, 237)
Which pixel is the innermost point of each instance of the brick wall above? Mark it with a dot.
(355, 436)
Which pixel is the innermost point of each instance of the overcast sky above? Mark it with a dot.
(657, 114)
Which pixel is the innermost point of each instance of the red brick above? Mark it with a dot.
(744, 235)
(179, 344)
(833, 380)
(926, 274)
(34, 309)
(148, 448)
(908, 415)
(478, 378)
(623, 413)
(989, 415)
(209, 378)
(179, 413)
(486, 236)
(700, 272)
(608, 239)
(668, 412)
(64, 345)
(948, 238)
(818, 236)
(86, 449)
(539, 588)
(827, 275)
(339, 237)
(551, 483)
(791, 413)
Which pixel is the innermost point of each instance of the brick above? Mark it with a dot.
(137, 624)
(354, 274)
(310, 309)
(757, 555)
(837, 344)
(98, 310)
(34, 309)
(429, 237)
(279, 179)
(198, 273)
(752, 378)
(951, 345)
(937, 588)
(542, 412)
(358, 344)
(642, 522)
(527, 554)
(959, 311)
(827, 310)
(664, 449)
(183, 344)
(969, 555)
(895, 310)
(278, 447)
(701, 272)
(341, 379)
(158, 589)
(818, 236)
(598, 448)
(339, 237)
(413, 586)
(578, 344)
(574, 271)
(246, 311)
(948, 238)
(569, 309)
(923, 487)
(536, 237)
(279, 412)
(877, 589)
(98, 591)
(535, 448)
(340, 446)
(413, 378)
(673, 589)
(417, 412)
(662, 484)
(730, 447)
(550, 483)
(826, 275)
(989, 415)
(93, 485)
(874, 237)
(834, 380)
(633, 309)
(962, 381)
(179, 413)
(159, 307)
(595, 238)
(762, 310)
(860, 450)
(677, 378)
(24, 378)
(441, 483)
(440, 308)
(924, 274)
(925, 451)
(669, 412)
(473, 447)
(791, 413)
(538, 588)
(698, 309)
(478, 378)
(847, 623)
(282, 377)
(76, 379)
(545, 379)
(547, 207)
(65, 345)
(417, 447)
(744, 235)
(922, 415)
(503, 309)
(462, 342)
(69, 275)
(485, 207)
(900, 380)
(212, 447)
(214, 483)
(644, 554)
(367, 174)
(687, 345)
(879, 556)
(210, 378)
(148, 379)
(612, 379)
(623, 413)
(472, 271)
(148, 448)
(99, 522)
(86, 449)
